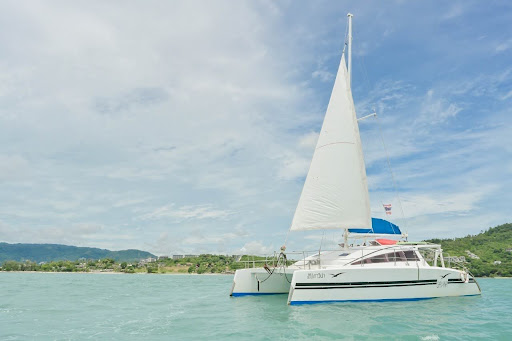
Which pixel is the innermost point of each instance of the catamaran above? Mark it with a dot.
(335, 196)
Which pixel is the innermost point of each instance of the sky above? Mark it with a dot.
(188, 126)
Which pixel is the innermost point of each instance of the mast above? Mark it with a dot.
(335, 193)
(350, 15)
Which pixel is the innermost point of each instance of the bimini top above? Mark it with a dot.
(379, 226)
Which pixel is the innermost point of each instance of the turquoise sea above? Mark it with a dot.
(71, 306)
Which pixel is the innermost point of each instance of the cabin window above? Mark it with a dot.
(411, 255)
(379, 259)
(374, 259)
(398, 256)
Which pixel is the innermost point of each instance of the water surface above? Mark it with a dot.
(47, 306)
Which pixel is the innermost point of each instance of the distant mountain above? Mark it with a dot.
(53, 252)
(488, 253)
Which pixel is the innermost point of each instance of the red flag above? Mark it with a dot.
(387, 208)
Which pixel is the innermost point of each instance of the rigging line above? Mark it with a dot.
(395, 187)
(360, 60)
(320, 250)
(345, 42)
(364, 71)
(286, 238)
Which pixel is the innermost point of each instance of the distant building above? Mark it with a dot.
(163, 257)
(508, 250)
(455, 259)
(472, 255)
(146, 261)
(497, 262)
(178, 256)
(190, 256)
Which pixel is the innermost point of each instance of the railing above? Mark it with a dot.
(273, 259)
(299, 259)
(456, 264)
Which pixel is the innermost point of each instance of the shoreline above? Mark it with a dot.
(119, 273)
(155, 273)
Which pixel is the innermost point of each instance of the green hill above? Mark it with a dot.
(492, 245)
(54, 252)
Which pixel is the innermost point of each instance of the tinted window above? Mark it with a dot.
(411, 256)
(374, 259)
(379, 259)
(398, 256)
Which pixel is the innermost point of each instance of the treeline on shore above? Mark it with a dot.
(487, 254)
(54, 252)
(201, 264)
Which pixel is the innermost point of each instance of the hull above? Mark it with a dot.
(379, 284)
(258, 281)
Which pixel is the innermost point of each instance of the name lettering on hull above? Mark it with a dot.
(316, 275)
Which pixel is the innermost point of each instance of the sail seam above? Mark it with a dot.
(328, 144)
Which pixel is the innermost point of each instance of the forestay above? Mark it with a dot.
(335, 194)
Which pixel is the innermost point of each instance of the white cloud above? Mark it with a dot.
(507, 95)
(200, 238)
(455, 11)
(418, 204)
(13, 167)
(323, 75)
(186, 212)
(87, 228)
(256, 248)
(293, 166)
(504, 46)
(106, 121)
(308, 141)
(435, 110)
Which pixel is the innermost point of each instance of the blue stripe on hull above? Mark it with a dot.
(239, 294)
(379, 300)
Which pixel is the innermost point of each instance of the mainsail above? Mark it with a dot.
(335, 194)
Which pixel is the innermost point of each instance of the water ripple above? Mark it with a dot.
(156, 307)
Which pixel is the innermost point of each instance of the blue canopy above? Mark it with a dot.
(379, 226)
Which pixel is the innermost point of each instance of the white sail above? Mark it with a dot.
(335, 194)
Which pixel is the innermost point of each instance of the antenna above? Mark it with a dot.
(350, 15)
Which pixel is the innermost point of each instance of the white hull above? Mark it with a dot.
(378, 284)
(353, 284)
(258, 281)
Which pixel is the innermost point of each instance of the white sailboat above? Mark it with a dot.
(335, 196)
